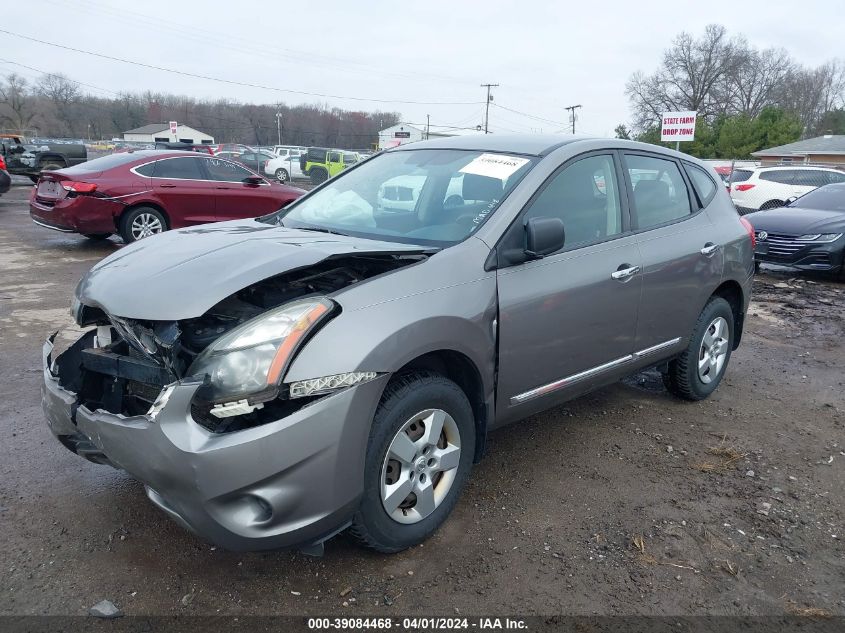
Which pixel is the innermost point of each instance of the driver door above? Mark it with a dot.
(567, 322)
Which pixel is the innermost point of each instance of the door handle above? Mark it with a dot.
(709, 249)
(625, 272)
(222, 187)
(166, 186)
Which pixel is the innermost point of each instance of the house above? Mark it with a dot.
(402, 133)
(160, 133)
(828, 149)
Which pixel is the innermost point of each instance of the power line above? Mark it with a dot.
(530, 116)
(231, 81)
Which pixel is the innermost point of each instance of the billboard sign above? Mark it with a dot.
(677, 126)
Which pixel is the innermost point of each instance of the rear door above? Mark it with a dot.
(334, 162)
(567, 321)
(234, 198)
(184, 190)
(681, 264)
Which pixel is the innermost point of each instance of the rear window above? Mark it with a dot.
(317, 155)
(739, 175)
(105, 162)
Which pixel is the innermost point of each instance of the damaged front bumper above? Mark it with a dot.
(290, 482)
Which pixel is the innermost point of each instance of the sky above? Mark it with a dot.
(544, 55)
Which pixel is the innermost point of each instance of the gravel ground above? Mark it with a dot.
(626, 501)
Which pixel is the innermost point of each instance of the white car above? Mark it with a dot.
(770, 187)
(288, 151)
(284, 168)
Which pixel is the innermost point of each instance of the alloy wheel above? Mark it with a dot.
(144, 225)
(713, 350)
(420, 466)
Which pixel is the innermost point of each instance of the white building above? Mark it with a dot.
(402, 133)
(160, 133)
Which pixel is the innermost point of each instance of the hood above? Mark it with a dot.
(797, 221)
(181, 274)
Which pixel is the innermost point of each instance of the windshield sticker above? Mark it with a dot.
(494, 166)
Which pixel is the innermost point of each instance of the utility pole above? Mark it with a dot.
(279, 126)
(427, 126)
(572, 109)
(487, 105)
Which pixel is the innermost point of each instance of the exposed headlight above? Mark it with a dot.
(327, 384)
(252, 358)
(820, 237)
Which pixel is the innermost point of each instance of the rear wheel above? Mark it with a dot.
(282, 175)
(697, 372)
(771, 204)
(141, 222)
(51, 166)
(418, 458)
(318, 176)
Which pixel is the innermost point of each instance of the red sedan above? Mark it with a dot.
(140, 193)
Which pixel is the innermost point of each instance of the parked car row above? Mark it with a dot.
(770, 187)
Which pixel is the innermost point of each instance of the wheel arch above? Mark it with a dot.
(460, 369)
(47, 157)
(142, 203)
(732, 292)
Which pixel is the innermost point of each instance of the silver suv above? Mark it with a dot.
(339, 363)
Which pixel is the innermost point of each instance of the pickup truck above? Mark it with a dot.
(30, 159)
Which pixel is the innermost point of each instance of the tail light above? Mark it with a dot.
(743, 187)
(2, 163)
(750, 230)
(79, 187)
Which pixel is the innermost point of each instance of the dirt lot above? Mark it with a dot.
(627, 501)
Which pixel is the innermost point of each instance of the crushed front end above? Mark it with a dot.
(241, 471)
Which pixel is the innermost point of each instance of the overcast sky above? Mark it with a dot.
(545, 55)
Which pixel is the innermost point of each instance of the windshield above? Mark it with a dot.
(416, 196)
(824, 198)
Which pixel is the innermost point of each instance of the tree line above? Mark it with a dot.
(55, 106)
(746, 98)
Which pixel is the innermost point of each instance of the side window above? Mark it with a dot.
(225, 171)
(585, 195)
(811, 178)
(187, 168)
(703, 184)
(146, 170)
(334, 157)
(660, 193)
(780, 176)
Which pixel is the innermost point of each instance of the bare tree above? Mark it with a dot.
(755, 78)
(688, 78)
(812, 92)
(17, 107)
(63, 94)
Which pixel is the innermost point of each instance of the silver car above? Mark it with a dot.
(338, 364)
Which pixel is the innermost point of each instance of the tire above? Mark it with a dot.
(97, 236)
(414, 399)
(34, 179)
(282, 175)
(756, 268)
(319, 176)
(132, 223)
(683, 377)
(51, 166)
(771, 204)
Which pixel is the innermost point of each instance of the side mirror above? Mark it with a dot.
(252, 180)
(543, 236)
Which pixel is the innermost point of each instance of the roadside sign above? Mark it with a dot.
(678, 126)
(401, 135)
(173, 127)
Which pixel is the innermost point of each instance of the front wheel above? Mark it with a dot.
(141, 222)
(771, 204)
(419, 456)
(697, 372)
(282, 175)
